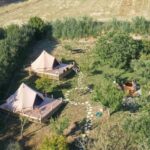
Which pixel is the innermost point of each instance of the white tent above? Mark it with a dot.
(44, 62)
(24, 98)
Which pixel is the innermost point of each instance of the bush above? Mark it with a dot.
(108, 95)
(140, 127)
(141, 68)
(39, 26)
(45, 84)
(54, 142)
(117, 49)
(60, 125)
(146, 47)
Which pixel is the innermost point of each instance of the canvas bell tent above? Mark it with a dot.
(48, 65)
(32, 104)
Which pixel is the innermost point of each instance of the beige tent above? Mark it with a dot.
(32, 104)
(44, 62)
(24, 98)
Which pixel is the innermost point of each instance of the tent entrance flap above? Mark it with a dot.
(38, 101)
(55, 64)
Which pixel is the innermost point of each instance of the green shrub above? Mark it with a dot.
(141, 68)
(54, 142)
(108, 95)
(146, 47)
(45, 84)
(60, 125)
(139, 126)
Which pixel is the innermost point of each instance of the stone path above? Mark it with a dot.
(82, 142)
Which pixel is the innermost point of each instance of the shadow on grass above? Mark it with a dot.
(66, 85)
(95, 72)
(10, 128)
(41, 45)
(7, 2)
(70, 75)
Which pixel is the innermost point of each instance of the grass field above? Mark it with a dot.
(56, 9)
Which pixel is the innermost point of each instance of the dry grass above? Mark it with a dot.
(54, 9)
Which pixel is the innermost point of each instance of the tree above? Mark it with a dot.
(23, 121)
(38, 25)
(117, 49)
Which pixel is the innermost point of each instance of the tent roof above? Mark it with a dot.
(44, 62)
(23, 98)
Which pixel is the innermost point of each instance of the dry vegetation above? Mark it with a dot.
(54, 9)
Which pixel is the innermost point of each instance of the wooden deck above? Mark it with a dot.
(40, 113)
(57, 73)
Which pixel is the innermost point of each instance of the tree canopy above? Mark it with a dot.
(117, 49)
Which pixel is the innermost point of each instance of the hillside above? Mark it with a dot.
(54, 9)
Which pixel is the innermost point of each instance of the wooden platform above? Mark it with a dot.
(40, 113)
(57, 73)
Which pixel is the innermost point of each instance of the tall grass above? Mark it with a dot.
(71, 28)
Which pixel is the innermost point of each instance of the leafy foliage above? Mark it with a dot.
(117, 49)
(146, 47)
(141, 68)
(108, 95)
(59, 125)
(45, 84)
(13, 50)
(54, 142)
(140, 127)
(38, 25)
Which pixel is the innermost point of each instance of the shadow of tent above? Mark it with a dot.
(57, 113)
